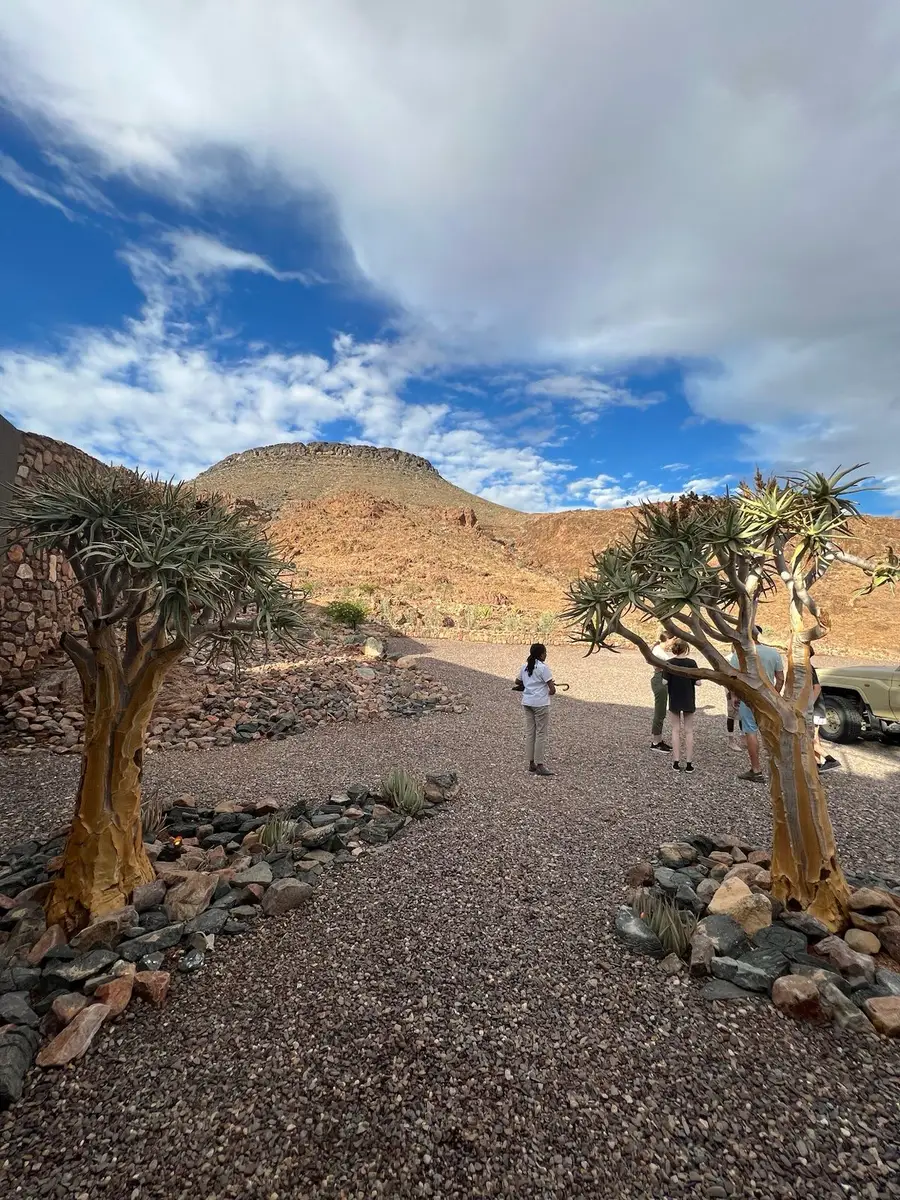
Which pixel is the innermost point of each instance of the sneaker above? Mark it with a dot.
(689, 766)
(542, 771)
(829, 764)
(663, 746)
(676, 765)
(734, 743)
(752, 776)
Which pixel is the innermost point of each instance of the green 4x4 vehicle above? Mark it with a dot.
(859, 700)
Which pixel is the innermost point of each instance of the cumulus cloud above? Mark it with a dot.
(716, 184)
(606, 491)
(590, 394)
(157, 395)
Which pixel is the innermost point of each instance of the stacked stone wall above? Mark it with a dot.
(38, 597)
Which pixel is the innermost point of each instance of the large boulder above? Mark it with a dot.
(74, 1040)
(798, 997)
(284, 895)
(191, 897)
(726, 935)
(637, 934)
(751, 910)
(677, 854)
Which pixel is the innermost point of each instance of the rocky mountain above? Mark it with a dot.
(385, 528)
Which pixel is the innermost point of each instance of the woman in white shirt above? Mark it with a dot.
(537, 686)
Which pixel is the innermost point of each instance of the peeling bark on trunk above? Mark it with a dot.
(104, 857)
(806, 873)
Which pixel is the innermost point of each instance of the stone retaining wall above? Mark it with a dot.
(38, 599)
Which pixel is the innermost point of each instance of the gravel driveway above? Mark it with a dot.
(451, 1017)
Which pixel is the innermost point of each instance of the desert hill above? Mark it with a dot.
(383, 527)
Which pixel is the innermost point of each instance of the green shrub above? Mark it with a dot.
(673, 926)
(278, 833)
(403, 792)
(346, 612)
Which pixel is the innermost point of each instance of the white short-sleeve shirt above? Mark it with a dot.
(537, 693)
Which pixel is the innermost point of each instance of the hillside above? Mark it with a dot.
(385, 528)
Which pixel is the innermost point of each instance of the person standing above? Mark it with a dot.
(537, 687)
(771, 665)
(660, 695)
(682, 704)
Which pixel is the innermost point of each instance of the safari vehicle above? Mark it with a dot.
(859, 700)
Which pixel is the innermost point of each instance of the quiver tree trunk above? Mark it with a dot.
(805, 870)
(104, 858)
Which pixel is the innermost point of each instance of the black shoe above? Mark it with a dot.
(829, 764)
(689, 766)
(663, 746)
(676, 765)
(541, 770)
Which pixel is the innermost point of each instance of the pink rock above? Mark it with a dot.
(75, 1038)
(216, 857)
(799, 998)
(105, 931)
(116, 994)
(67, 1007)
(49, 940)
(857, 967)
(262, 808)
(7, 903)
(152, 986)
(190, 898)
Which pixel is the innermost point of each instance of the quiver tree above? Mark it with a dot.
(159, 570)
(699, 566)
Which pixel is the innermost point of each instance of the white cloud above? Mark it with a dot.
(195, 255)
(27, 184)
(705, 486)
(154, 395)
(677, 466)
(600, 183)
(606, 491)
(590, 394)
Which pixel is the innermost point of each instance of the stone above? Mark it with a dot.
(192, 960)
(72, 974)
(50, 939)
(373, 647)
(884, 1013)
(687, 898)
(822, 975)
(75, 1038)
(160, 939)
(889, 980)
(741, 974)
(116, 994)
(762, 858)
(703, 951)
(867, 899)
(640, 875)
(148, 895)
(440, 787)
(707, 888)
(871, 922)
(843, 1012)
(151, 962)
(778, 937)
(725, 934)
(366, 674)
(772, 962)
(234, 927)
(68, 1005)
(151, 921)
(890, 941)
(15, 1010)
(315, 838)
(751, 910)
(637, 934)
(862, 942)
(18, 1046)
(721, 858)
(814, 961)
(243, 912)
(189, 898)
(209, 922)
(858, 968)
(152, 986)
(106, 931)
(677, 854)
(798, 997)
(19, 979)
(747, 871)
(284, 895)
(260, 873)
(721, 989)
(671, 965)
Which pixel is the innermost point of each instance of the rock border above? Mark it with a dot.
(217, 873)
(747, 946)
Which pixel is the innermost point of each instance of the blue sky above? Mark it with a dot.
(576, 255)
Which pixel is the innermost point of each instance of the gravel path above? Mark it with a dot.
(451, 1017)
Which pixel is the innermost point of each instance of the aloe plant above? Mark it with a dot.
(403, 792)
(673, 926)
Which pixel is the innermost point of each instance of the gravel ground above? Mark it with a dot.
(452, 1017)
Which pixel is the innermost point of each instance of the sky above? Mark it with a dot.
(576, 254)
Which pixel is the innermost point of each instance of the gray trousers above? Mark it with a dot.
(537, 726)
(660, 703)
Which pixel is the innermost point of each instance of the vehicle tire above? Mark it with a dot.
(843, 720)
